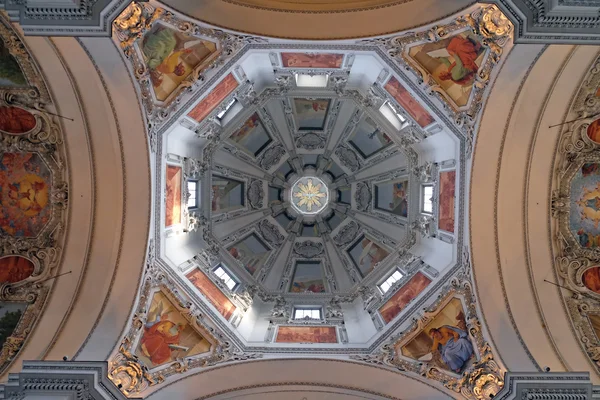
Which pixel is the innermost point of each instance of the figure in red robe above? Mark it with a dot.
(465, 52)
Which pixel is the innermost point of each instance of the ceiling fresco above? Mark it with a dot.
(33, 194)
(575, 215)
(309, 197)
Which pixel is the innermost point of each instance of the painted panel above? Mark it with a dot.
(227, 194)
(251, 251)
(311, 114)
(14, 269)
(25, 183)
(16, 120)
(212, 100)
(212, 293)
(444, 342)
(310, 60)
(173, 207)
(593, 131)
(403, 296)
(368, 140)
(171, 56)
(392, 197)
(167, 336)
(408, 102)
(447, 199)
(591, 279)
(584, 216)
(10, 315)
(252, 137)
(595, 322)
(308, 277)
(306, 334)
(366, 254)
(453, 63)
(11, 74)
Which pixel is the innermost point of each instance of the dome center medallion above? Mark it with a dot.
(309, 195)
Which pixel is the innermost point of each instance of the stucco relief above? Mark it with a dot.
(576, 215)
(34, 194)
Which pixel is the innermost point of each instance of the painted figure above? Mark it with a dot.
(593, 131)
(588, 240)
(591, 279)
(453, 345)
(14, 269)
(16, 120)
(371, 255)
(399, 205)
(464, 51)
(588, 169)
(161, 336)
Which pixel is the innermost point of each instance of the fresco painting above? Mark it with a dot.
(167, 336)
(251, 252)
(171, 56)
(173, 206)
(591, 279)
(366, 254)
(593, 131)
(306, 334)
(307, 60)
(214, 98)
(11, 74)
(252, 137)
(227, 194)
(447, 200)
(14, 269)
(453, 63)
(584, 215)
(408, 102)
(308, 277)
(595, 322)
(212, 293)
(367, 139)
(25, 182)
(16, 120)
(392, 196)
(403, 296)
(444, 342)
(10, 315)
(311, 114)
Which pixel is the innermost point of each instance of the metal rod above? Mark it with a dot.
(55, 276)
(566, 288)
(574, 120)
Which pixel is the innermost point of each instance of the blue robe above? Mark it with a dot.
(456, 353)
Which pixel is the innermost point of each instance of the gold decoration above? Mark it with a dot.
(310, 195)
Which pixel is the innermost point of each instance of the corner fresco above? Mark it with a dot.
(24, 188)
(11, 74)
(306, 334)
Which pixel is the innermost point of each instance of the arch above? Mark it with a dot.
(510, 193)
(278, 374)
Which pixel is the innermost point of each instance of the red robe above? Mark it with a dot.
(157, 342)
(468, 51)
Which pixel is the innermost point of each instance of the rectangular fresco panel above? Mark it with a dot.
(167, 336)
(171, 56)
(173, 207)
(311, 114)
(444, 342)
(584, 215)
(306, 334)
(25, 183)
(251, 251)
(212, 293)
(11, 74)
(306, 60)
(252, 137)
(367, 139)
(447, 199)
(403, 296)
(365, 254)
(212, 100)
(453, 63)
(10, 315)
(227, 194)
(408, 102)
(308, 277)
(392, 196)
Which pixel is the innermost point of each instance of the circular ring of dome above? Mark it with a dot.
(309, 195)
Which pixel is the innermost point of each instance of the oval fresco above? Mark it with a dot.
(14, 269)
(591, 279)
(16, 121)
(25, 182)
(593, 131)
